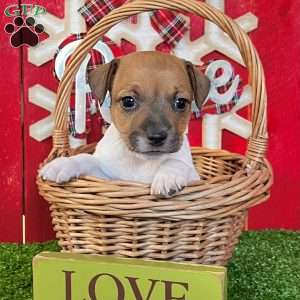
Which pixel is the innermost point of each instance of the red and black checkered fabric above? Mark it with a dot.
(95, 10)
(169, 26)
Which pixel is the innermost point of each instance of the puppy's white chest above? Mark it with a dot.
(118, 162)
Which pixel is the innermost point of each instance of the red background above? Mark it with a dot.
(277, 41)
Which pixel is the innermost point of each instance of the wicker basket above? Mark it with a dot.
(200, 224)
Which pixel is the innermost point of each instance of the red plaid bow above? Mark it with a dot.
(169, 26)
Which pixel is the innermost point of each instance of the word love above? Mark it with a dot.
(15, 10)
(63, 276)
(120, 288)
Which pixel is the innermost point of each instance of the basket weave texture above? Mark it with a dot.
(203, 222)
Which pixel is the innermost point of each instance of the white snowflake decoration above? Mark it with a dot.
(213, 124)
(44, 98)
(214, 39)
(57, 29)
(145, 38)
(142, 34)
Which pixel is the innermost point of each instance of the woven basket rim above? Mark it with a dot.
(194, 150)
(211, 198)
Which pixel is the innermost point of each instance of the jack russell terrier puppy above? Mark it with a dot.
(151, 97)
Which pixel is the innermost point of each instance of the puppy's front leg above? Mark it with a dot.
(172, 176)
(63, 169)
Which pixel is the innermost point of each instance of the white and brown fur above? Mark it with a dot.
(148, 144)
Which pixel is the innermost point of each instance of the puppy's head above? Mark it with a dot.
(151, 96)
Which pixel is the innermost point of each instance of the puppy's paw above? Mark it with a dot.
(60, 170)
(166, 184)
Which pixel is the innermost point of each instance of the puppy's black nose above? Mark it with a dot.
(157, 138)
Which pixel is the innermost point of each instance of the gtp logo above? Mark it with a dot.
(23, 29)
(15, 10)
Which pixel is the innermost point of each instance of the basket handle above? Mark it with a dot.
(257, 144)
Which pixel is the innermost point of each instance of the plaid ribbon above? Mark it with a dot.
(169, 26)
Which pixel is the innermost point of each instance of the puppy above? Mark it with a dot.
(151, 97)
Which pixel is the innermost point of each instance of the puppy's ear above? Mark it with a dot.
(200, 83)
(101, 79)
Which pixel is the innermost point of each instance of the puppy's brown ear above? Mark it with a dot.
(101, 79)
(200, 83)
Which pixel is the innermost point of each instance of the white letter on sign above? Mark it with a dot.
(222, 80)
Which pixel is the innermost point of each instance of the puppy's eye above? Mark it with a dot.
(180, 104)
(128, 103)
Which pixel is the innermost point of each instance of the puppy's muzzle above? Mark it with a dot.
(158, 138)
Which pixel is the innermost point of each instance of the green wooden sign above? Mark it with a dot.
(62, 276)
